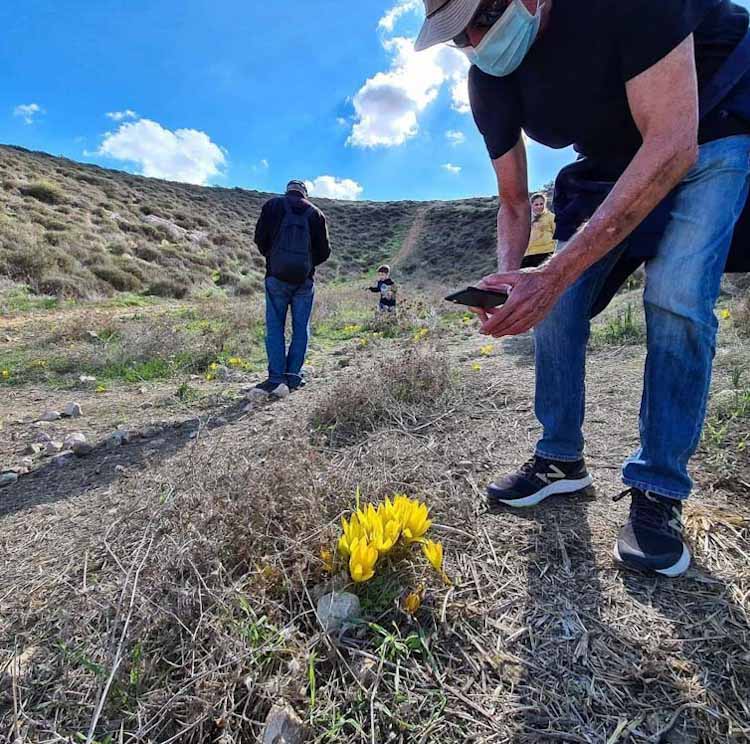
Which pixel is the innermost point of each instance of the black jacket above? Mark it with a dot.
(269, 224)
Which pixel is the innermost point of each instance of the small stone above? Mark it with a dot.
(62, 459)
(7, 478)
(35, 448)
(42, 438)
(725, 401)
(283, 726)
(281, 392)
(256, 394)
(18, 667)
(222, 373)
(120, 468)
(50, 416)
(85, 379)
(52, 447)
(193, 435)
(77, 444)
(117, 439)
(72, 410)
(93, 335)
(338, 609)
(26, 462)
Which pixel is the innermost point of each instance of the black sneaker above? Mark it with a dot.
(651, 539)
(295, 382)
(538, 479)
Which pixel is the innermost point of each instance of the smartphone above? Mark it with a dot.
(474, 297)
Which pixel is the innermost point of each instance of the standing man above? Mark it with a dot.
(292, 235)
(619, 79)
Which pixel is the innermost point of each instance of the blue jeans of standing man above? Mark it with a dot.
(682, 286)
(286, 366)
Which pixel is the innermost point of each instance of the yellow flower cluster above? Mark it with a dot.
(5, 374)
(372, 533)
(476, 367)
(352, 328)
(487, 350)
(420, 334)
(725, 314)
(236, 362)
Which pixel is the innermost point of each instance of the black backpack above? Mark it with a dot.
(291, 254)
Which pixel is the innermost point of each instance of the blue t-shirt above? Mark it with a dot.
(570, 88)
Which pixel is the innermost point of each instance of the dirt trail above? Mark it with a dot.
(412, 237)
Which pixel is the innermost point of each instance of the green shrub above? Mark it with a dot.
(44, 191)
(168, 288)
(120, 280)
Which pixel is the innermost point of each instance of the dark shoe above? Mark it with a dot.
(295, 382)
(267, 386)
(651, 539)
(538, 479)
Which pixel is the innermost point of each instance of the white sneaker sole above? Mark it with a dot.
(553, 489)
(672, 572)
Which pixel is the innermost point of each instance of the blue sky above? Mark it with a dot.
(247, 93)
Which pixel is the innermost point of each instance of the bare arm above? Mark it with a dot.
(664, 104)
(514, 214)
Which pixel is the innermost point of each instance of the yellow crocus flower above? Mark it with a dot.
(362, 561)
(416, 523)
(413, 601)
(487, 350)
(433, 551)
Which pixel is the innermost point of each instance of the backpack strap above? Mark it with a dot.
(734, 68)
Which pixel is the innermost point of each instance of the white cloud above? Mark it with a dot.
(183, 155)
(121, 115)
(455, 137)
(329, 187)
(453, 169)
(264, 163)
(28, 111)
(389, 104)
(388, 21)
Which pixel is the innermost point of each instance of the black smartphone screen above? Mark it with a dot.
(473, 297)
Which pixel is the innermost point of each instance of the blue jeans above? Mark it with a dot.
(682, 286)
(286, 366)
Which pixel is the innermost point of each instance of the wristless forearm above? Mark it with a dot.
(651, 175)
(513, 231)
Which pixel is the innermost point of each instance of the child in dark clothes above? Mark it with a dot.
(386, 288)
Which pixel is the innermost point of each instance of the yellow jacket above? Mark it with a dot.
(542, 230)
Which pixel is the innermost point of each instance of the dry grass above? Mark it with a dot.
(394, 392)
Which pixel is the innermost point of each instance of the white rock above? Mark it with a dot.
(283, 726)
(35, 448)
(77, 444)
(337, 609)
(50, 416)
(7, 478)
(87, 378)
(174, 231)
(281, 392)
(52, 447)
(118, 438)
(72, 410)
(724, 401)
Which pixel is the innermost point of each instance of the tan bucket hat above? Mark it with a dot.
(445, 19)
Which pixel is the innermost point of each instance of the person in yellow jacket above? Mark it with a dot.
(541, 243)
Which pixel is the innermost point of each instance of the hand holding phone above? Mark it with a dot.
(475, 297)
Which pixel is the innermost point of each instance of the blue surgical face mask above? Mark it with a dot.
(505, 45)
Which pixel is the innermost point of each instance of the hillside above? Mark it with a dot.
(75, 230)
